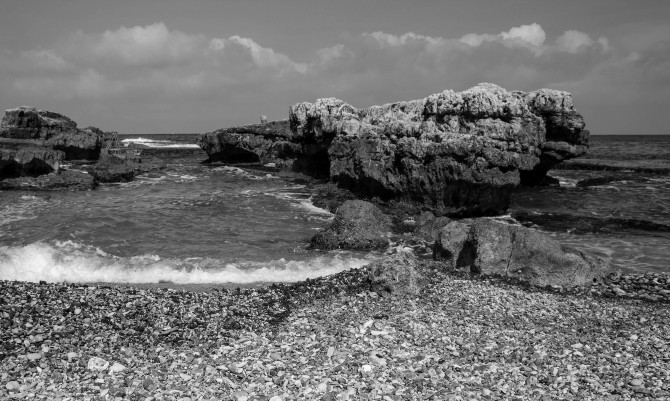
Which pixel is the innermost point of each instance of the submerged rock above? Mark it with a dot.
(358, 225)
(456, 153)
(493, 248)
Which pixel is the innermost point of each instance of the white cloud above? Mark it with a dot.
(532, 34)
(131, 70)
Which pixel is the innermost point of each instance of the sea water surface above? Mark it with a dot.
(188, 223)
(200, 223)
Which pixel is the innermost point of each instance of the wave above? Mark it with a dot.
(156, 143)
(74, 262)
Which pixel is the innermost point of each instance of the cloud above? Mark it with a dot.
(141, 75)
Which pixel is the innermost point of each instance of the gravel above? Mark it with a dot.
(332, 339)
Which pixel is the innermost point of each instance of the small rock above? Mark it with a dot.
(185, 377)
(618, 291)
(72, 355)
(365, 369)
(34, 356)
(276, 398)
(98, 364)
(148, 384)
(116, 367)
(636, 382)
(376, 359)
(12, 386)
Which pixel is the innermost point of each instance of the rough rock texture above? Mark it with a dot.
(272, 142)
(493, 248)
(28, 161)
(51, 130)
(357, 225)
(456, 153)
(428, 226)
(396, 274)
(62, 180)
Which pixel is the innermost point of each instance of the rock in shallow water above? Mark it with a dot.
(488, 247)
(457, 153)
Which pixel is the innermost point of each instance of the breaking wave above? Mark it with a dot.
(74, 262)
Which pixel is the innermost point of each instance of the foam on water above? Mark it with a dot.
(156, 143)
(73, 262)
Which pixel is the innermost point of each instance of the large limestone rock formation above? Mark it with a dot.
(491, 248)
(25, 126)
(456, 153)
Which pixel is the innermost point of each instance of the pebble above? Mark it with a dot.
(98, 364)
(116, 367)
(618, 291)
(636, 382)
(12, 385)
(34, 356)
(72, 355)
(376, 359)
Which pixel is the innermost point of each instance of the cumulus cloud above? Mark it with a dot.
(144, 73)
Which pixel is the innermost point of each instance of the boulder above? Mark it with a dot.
(358, 225)
(455, 153)
(30, 126)
(428, 226)
(396, 275)
(492, 248)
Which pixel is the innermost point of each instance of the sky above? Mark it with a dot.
(151, 66)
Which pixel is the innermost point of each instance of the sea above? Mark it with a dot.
(198, 223)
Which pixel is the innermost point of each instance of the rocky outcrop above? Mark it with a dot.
(456, 153)
(28, 126)
(358, 225)
(56, 181)
(28, 161)
(492, 248)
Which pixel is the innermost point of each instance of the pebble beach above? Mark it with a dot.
(330, 338)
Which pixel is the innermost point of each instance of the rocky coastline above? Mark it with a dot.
(462, 306)
(43, 150)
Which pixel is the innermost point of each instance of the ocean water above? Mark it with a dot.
(624, 219)
(199, 223)
(189, 223)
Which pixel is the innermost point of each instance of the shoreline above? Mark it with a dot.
(330, 338)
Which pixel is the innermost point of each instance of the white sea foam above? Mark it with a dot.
(73, 262)
(155, 143)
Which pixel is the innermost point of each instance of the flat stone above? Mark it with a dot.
(97, 364)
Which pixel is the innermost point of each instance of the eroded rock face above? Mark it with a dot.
(358, 225)
(29, 161)
(456, 153)
(35, 127)
(487, 247)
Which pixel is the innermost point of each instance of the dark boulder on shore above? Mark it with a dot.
(491, 248)
(358, 225)
(455, 153)
(396, 274)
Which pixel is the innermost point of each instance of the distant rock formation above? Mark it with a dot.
(491, 248)
(29, 126)
(456, 153)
